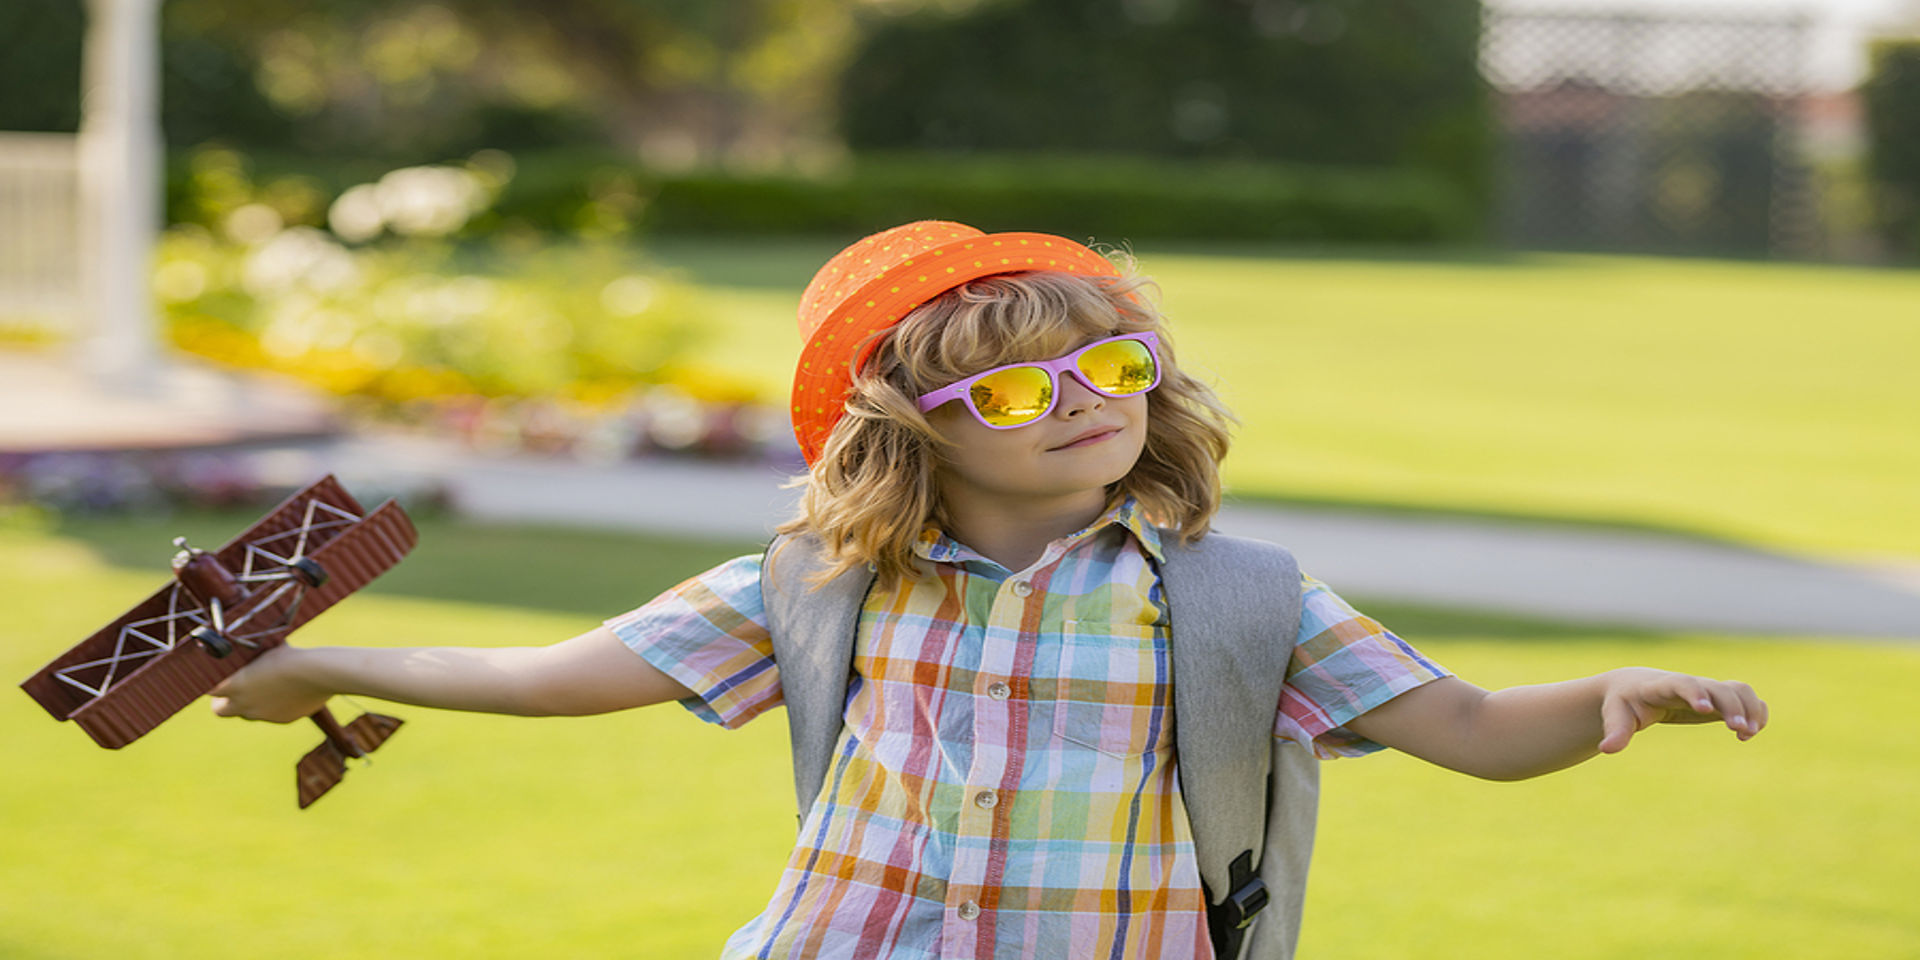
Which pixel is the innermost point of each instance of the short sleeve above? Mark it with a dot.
(710, 634)
(1344, 664)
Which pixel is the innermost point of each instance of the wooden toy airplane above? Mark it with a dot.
(223, 609)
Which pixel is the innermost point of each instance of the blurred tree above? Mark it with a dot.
(684, 81)
(206, 85)
(1892, 95)
(40, 64)
(1382, 82)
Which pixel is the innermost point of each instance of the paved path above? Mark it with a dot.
(1633, 579)
(46, 404)
(1604, 576)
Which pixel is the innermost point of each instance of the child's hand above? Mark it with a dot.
(272, 688)
(1638, 697)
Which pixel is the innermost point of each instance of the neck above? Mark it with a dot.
(1016, 534)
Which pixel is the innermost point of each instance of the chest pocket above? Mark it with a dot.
(1112, 689)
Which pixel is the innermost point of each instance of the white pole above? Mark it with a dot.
(120, 173)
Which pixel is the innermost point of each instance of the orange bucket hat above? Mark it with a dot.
(876, 282)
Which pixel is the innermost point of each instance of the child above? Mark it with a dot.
(1002, 446)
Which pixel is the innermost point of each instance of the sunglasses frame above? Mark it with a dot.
(962, 390)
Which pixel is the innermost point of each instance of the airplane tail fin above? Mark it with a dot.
(326, 764)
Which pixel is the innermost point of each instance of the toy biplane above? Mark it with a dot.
(223, 609)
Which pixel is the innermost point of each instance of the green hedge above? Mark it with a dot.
(1110, 197)
(585, 191)
(1892, 95)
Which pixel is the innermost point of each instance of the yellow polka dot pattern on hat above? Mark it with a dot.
(872, 284)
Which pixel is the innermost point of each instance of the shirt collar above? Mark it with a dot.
(936, 546)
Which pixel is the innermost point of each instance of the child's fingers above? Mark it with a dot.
(1723, 703)
(1618, 723)
(233, 707)
(1723, 700)
(1678, 698)
(1699, 697)
(1752, 708)
(1679, 695)
(1734, 703)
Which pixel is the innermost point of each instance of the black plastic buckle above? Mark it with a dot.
(1228, 920)
(1242, 905)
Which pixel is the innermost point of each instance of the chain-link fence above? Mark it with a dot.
(1647, 132)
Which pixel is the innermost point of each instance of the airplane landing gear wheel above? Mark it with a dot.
(211, 640)
(309, 571)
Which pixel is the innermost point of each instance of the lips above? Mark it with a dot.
(1089, 438)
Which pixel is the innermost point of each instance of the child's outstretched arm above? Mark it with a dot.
(1522, 732)
(592, 673)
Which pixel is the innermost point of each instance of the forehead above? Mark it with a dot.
(1016, 321)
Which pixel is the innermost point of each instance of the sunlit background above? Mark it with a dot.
(1563, 335)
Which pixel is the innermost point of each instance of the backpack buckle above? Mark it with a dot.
(1228, 920)
(1242, 905)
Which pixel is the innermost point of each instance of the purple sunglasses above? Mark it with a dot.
(1021, 393)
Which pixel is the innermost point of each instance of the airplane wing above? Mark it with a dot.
(116, 651)
(300, 559)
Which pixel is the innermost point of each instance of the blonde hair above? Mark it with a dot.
(872, 490)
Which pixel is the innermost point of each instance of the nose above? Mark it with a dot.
(1076, 399)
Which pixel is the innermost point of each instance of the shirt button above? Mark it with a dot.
(1022, 588)
(985, 799)
(969, 910)
(999, 691)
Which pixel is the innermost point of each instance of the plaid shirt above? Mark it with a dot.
(1004, 785)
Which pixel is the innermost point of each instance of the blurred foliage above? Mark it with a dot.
(598, 194)
(207, 90)
(1242, 119)
(1382, 83)
(40, 64)
(1892, 96)
(384, 305)
(684, 81)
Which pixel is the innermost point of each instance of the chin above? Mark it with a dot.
(1109, 470)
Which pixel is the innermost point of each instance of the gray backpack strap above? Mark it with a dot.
(1234, 608)
(1293, 806)
(813, 632)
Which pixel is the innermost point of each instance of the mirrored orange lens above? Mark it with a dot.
(1014, 396)
(1120, 368)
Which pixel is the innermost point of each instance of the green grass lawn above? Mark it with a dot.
(651, 834)
(1768, 403)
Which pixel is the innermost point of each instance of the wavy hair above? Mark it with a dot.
(872, 490)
